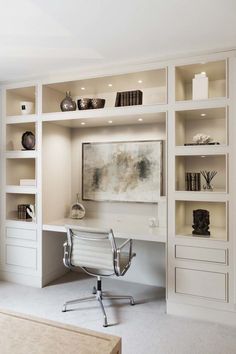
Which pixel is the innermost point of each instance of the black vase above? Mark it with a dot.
(28, 140)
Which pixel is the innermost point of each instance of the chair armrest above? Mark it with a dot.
(66, 258)
(120, 272)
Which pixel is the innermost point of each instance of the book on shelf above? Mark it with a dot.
(192, 181)
(22, 212)
(129, 98)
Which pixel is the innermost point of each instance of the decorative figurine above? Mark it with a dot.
(67, 104)
(201, 139)
(208, 176)
(77, 209)
(201, 222)
(28, 140)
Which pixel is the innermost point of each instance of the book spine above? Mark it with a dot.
(117, 102)
(140, 97)
(122, 99)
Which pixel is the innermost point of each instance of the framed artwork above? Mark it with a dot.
(129, 171)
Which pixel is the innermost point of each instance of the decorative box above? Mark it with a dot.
(200, 86)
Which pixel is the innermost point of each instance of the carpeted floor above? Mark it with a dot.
(145, 328)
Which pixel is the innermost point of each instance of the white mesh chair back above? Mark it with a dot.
(92, 249)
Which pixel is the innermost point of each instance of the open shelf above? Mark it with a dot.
(211, 121)
(14, 134)
(152, 83)
(218, 218)
(215, 71)
(12, 202)
(17, 169)
(17, 97)
(195, 164)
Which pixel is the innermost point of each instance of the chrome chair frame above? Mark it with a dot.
(98, 293)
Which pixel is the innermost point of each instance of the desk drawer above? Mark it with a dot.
(23, 234)
(214, 255)
(211, 285)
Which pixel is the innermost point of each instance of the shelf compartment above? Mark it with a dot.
(17, 169)
(14, 134)
(215, 71)
(211, 121)
(218, 219)
(193, 164)
(153, 84)
(15, 97)
(12, 202)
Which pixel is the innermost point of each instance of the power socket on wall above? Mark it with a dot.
(153, 222)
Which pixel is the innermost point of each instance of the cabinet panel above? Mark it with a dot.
(200, 283)
(201, 254)
(21, 256)
(23, 234)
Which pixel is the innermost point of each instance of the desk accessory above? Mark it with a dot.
(77, 209)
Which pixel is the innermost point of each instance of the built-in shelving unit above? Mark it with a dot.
(169, 113)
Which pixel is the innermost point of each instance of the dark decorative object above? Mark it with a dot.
(208, 176)
(201, 222)
(192, 181)
(129, 98)
(77, 209)
(67, 104)
(84, 103)
(212, 143)
(98, 103)
(22, 212)
(28, 140)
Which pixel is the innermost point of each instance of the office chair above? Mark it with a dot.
(96, 252)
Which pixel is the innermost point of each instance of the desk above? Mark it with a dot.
(122, 228)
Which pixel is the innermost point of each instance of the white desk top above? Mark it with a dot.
(137, 230)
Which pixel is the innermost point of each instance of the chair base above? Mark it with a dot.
(99, 295)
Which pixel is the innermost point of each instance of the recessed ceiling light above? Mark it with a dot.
(110, 121)
(82, 123)
(110, 85)
(203, 156)
(82, 88)
(140, 119)
(203, 114)
(140, 81)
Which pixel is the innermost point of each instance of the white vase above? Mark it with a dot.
(27, 107)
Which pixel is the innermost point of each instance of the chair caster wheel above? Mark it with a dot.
(64, 309)
(105, 325)
(132, 303)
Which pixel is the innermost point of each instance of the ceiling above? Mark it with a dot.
(44, 37)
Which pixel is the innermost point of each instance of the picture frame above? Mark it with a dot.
(122, 171)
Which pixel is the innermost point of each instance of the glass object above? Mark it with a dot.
(77, 209)
(208, 176)
(67, 104)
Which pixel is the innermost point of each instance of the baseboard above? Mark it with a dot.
(201, 313)
(19, 278)
(57, 273)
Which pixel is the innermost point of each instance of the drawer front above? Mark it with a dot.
(23, 234)
(211, 285)
(214, 255)
(21, 256)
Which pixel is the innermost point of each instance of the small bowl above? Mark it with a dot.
(98, 103)
(84, 103)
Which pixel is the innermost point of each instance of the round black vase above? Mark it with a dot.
(28, 140)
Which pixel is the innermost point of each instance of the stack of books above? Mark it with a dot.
(129, 98)
(192, 181)
(22, 212)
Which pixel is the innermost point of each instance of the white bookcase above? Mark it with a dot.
(201, 272)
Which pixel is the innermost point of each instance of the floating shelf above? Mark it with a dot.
(201, 150)
(21, 224)
(215, 196)
(21, 119)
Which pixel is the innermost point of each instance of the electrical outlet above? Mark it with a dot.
(153, 222)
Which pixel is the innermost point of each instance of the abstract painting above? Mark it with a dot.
(122, 171)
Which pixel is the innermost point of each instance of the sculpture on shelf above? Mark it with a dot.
(28, 140)
(67, 104)
(201, 222)
(201, 139)
(31, 212)
(208, 176)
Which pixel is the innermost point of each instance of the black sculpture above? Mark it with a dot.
(201, 222)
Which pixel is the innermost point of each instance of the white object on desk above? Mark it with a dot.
(200, 86)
